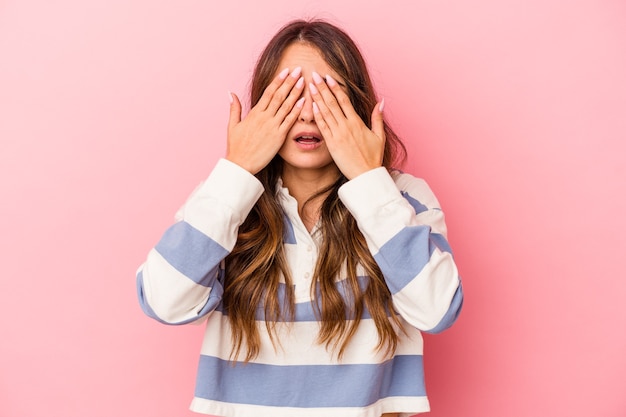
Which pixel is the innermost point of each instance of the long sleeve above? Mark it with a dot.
(406, 233)
(179, 281)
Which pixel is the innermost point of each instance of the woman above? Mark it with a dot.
(314, 263)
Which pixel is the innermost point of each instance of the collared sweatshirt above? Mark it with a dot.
(182, 279)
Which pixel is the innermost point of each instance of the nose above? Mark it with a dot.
(306, 114)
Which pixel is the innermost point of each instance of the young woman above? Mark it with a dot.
(315, 265)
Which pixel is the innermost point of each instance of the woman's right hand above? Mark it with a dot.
(255, 140)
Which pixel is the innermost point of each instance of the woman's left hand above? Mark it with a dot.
(354, 147)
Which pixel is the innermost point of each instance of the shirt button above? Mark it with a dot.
(309, 248)
(307, 275)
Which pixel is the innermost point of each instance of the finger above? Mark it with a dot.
(291, 118)
(235, 111)
(328, 96)
(378, 124)
(288, 104)
(321, 107)
(321, 124)
(342, 98)
(269, 91)
(284, 91)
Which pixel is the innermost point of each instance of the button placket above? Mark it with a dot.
(304, 255)
(304, 264)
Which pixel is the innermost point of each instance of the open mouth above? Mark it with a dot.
(306, 139)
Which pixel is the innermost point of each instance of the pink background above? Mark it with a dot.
(514, 111)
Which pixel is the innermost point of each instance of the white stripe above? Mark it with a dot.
(171, 295)
(426, 299)
(300, 347)
(219, 205)
(376, 203)
(409, 406)
(301, 260)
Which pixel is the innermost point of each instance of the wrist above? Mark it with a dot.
(241, 164)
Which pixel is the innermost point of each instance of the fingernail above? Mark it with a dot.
(296, 72)
(313, 88)
(300, 103)
(330, 81)
(300, 82)
(283, 74)
(230, 97)
(315, 108)
(317, 78)
(382, 105)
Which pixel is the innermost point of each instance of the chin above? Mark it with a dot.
(309, 163)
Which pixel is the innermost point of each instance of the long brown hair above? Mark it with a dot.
(255, 266)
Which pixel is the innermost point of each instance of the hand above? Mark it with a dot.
(255, 140)
(354, 147)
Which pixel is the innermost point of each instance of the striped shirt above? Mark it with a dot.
(181, 282)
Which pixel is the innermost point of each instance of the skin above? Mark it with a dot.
(306, 95)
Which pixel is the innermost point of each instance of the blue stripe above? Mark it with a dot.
(452, 314)
(288, 234)
(309, 385)
(404, 256)
(441, 242)
(191, 252)
(304, 312)
(214, 300)
(417, 206)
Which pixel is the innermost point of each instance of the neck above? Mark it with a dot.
(304, 184)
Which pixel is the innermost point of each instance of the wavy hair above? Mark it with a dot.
(257, 263)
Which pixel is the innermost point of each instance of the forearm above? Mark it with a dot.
(178, 282)
(406, 234)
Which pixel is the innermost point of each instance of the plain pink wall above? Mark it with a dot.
(514, 111)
